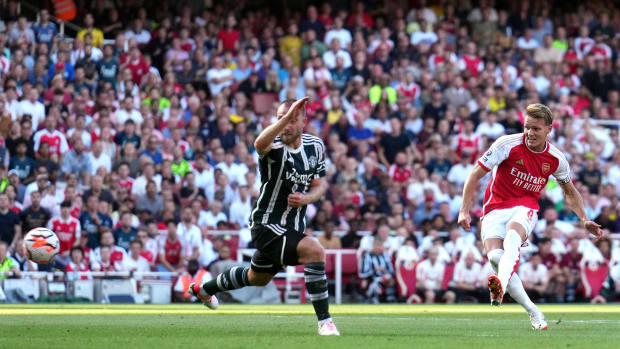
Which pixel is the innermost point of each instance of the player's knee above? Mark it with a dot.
(314, 253)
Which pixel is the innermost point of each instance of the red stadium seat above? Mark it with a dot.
(447, 276)
(592, 277)
(406, 281)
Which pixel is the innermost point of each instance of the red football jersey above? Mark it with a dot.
(68, 231)
(172, 251)
(56, 140)
(519, 173)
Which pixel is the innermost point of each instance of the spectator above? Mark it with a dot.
(152, 201)
(171, 250)
(378, 273)
(134, 261)
(45, 30)
(535, 277)
(68, 230)
(394, 143)
(22, 165)
(328, 239)
(467, 279)
(76, 161)
(125, 233)
(92, 221)
(193, 274)
(382, 92)
(8, 266)
(10, 228)
(240, 208)
(77, 264)
(34, 216)
(430, 274)
(105, 263)
(97, 190)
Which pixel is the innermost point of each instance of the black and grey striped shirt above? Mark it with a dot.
(283, 171)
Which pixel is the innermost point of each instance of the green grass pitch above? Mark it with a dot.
(294, 326)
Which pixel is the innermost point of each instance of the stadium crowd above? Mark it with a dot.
(133, 138)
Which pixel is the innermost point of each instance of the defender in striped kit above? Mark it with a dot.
(292, 167)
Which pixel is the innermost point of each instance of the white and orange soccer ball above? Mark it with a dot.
(41, 245)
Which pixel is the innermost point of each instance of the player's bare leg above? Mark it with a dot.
(311, 254)
(514, 287)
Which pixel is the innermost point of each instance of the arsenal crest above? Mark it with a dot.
(545, 167)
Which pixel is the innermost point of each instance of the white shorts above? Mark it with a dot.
(495, 224)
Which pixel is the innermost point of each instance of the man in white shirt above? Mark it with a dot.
(33, 107)
(490, 128)
(534, 276)
(527, 41)
(550, 221)
(203, 172)
(429, 274)
(234, 171)
(329, 57)
(99, 159)
(214, 215)
(458, 173)
(427, 37)
(467, 282)
(148, 174)
(128, 112)
(189, 232)
(340, 33)
(134, 262)
(219, 77)
(241, 208)
(138, 33)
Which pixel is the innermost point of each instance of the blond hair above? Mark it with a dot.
(540, 111)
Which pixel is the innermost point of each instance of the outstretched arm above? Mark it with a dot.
(575, 201)
(265, 139)
(469, 188)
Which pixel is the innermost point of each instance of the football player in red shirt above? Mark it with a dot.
(521, 165)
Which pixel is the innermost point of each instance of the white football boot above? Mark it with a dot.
(209, 302)
(328, 328)
(538, 320)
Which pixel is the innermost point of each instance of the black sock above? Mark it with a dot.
(231, 279)
(316, 284)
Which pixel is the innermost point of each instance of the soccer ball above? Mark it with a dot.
(41, 245)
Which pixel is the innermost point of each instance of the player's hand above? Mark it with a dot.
(594, 229)
(296, 108)
(297, 200)
(464, 220)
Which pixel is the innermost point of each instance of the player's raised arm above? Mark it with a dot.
(469, 187)
(575, 201)
(265, 139)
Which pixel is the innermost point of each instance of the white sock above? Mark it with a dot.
(515, 286)
(509, 262)
(324, 321)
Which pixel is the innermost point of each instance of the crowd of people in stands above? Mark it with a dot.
(133, 138)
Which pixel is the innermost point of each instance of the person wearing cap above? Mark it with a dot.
(62, 67)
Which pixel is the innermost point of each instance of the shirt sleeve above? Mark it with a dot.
(497, 153)
(562, 174)
(320, 168)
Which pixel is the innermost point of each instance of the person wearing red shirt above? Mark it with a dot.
(107, 239)
(571, 268)
(359, 12)
(124, 180)
(171, 250)
(136, 63)
(557, 281)
(467, 142)
(399, 171)
(521, 165)
(77, 265)
(56, 139)
(105, 263)
(67, 229)
(228, 38)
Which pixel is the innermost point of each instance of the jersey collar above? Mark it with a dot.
(533, 151)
